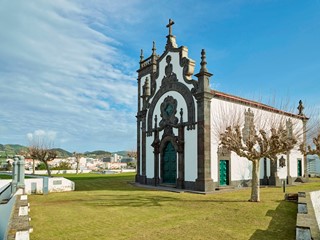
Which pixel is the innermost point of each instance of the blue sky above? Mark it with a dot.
(68, 68)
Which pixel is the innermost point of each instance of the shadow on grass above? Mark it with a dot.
(147, 201)
(96, 182)
(129, 201)
(282, 224)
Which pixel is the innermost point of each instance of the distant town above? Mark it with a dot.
(89, 161)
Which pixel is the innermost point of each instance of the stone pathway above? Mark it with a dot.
(19, 225)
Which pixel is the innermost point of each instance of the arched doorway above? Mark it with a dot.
(169, 164)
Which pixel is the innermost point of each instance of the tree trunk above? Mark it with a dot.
(77, 170)
(33, 167)
(255, 189)
(48, 169)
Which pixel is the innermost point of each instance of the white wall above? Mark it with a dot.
(191, 155)
(70, 171)
(224, 113)
(149, 157)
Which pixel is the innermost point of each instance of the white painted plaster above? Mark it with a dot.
(191, 153)
(149, 157)
(224, 114)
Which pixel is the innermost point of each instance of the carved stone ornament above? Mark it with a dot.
(223, 151)
(170, 76)
(187, 96)
(168, 112)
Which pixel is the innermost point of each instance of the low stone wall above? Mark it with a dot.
(4, 183)
(5, 213)
(56, 184)
(44, 172)
(38, 185)
(308, 215)
(19, 224)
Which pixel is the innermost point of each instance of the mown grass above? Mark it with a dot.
(109, 207)
(5, 176)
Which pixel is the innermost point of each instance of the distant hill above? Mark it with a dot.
(62, 153)
(121, 153)
(16, 149)
(97, 154)
(11, 150)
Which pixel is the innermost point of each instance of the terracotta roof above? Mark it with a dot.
(232, 98)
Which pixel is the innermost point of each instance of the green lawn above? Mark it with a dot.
(109, 207)
(5, 176)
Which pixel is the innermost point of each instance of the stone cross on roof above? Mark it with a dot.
(169, 25)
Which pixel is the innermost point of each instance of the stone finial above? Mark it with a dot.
(147, 87)
(300, 108)
(141, 55)
(181, 115)
(203, 61)
(154, 48)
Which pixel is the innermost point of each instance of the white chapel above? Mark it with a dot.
(177, 121)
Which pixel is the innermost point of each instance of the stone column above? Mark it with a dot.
(14, 175)
(156, 152)
(21, 172)
(265, 180)
(138, 148)
(305, 163)
(180, 180)
(289, 178)
(274, 179)
(143, 177)
(204, 181)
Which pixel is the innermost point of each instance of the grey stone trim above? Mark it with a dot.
(143, 148)
(150, 181)
(184, 91)
(168, 117)
(186, 63)
(189, 185)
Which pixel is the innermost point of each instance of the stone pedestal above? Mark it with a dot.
(289, 180)
(204, 185)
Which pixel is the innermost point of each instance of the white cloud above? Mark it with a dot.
(58, 73)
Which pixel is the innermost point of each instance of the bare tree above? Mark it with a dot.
(132, 154)
(39, 149)
(258, 144)
(314, 147)
(77, 157)
(263, 134)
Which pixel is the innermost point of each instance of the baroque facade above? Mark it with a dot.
(177, 117)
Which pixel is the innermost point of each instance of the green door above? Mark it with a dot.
(169, 166)
(299, 168)
(224, 172)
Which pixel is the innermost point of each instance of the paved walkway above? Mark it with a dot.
(19, 222)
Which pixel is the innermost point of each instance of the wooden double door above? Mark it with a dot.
(169, 164)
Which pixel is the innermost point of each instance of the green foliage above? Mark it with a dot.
(62, 166)
(131, 164)
(4, 176)
(9, 150)
(41, 166)
(97, 154)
